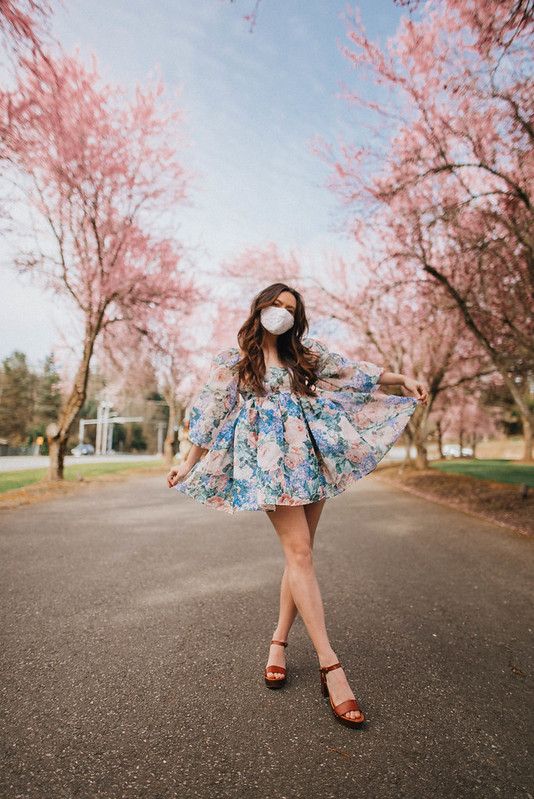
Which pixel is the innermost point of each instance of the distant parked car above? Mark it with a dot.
(83, 449)
(453, 451)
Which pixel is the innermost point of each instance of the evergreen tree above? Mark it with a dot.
(48, 395)
(17, 387)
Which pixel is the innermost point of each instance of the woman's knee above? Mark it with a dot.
(292, 527)
(299, 553)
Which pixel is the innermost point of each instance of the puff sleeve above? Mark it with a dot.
(215, 400)
(335, 370)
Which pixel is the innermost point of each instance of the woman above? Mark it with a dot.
(281, 425)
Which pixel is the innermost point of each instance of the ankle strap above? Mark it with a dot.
(324, 669)
(282, 643)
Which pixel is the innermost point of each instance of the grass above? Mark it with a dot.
(72, 473)
(499, 470)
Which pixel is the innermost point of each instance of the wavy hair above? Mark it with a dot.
(300, 360)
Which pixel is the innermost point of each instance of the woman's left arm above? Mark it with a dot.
(415, 388)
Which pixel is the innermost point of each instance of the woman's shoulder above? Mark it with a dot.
(314, 344)
(227, 357)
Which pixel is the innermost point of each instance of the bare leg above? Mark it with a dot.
(288, 609)
(291, 525)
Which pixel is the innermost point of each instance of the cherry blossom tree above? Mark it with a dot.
(177, 365)
(405, 325)
(179, 348)
(451, 168)
(24, 30)
(164, 353)
(24, 24)
(492, 23)
(100, 173)
(462, 416)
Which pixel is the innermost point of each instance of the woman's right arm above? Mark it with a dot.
(210, 406)
(195, 454)
(178, 473)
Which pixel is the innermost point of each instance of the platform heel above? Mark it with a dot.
(275, 682)
(343, 707)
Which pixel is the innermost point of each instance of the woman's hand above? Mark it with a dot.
(416, 389)
(178, 473)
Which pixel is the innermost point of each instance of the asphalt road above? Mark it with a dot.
(136, 628)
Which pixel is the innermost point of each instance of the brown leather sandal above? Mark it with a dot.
(275, 682)
(343, 707)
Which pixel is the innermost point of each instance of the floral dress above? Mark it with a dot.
(287, 448)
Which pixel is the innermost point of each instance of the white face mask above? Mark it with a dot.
(276, 319)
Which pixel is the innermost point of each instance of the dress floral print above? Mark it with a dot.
(287, 448)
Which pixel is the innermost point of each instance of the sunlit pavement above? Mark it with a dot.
(12, 463)
(136, 629)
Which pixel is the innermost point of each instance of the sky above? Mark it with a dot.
(252, 104)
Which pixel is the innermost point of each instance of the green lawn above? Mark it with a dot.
(503, 471)
(19, 479)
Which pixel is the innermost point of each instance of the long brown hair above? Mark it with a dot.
(299, 360)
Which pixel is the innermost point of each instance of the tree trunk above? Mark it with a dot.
(57, 434)
(56, 452)
(419, 436)
(527, 417)
(421, 459)
(527, 437)
(440, 439)
(409, 443)
(168, 446)
(501, 363)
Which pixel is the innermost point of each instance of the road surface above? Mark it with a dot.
(136, 629)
